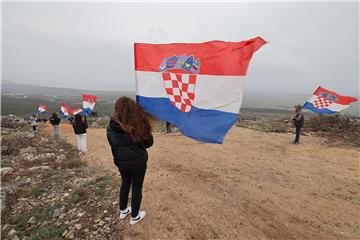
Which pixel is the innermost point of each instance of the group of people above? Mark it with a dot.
(79, 124)
(129, 134)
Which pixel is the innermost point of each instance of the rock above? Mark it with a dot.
(58, 211)
(86, 230)
(32, 220)
(12, 235)
(105, 211)
(107, 219)
(101, 223)
(80, 214)
(61, 157)
(78, 226)
(39, 168)
(70, 234)
(6, 171)
(28, 150)
(66, 194)
(74, 221)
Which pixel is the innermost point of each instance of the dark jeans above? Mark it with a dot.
(297, 133)
(168, 128)
(132, 176)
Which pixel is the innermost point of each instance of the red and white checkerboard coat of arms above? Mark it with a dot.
(179, 78)
(322, 102)
(180, 89)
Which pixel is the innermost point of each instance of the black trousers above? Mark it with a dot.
(168, 128)
(34, 128)
(297, 133)
(132, 176)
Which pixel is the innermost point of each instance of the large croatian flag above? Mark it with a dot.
(88, 104)
(42, 109)
(196, 86)
(65, 110)
(324, 101)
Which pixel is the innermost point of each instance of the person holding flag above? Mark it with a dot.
(298, 121)
(55, 121)
(129, 135)
(80, 126)
(33, 122)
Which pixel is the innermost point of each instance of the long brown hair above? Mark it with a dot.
(132, 119)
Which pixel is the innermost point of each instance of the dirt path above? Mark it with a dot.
(255, 186)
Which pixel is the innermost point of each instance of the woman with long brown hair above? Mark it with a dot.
(129, 134)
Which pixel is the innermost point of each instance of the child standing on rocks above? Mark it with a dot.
(129, 134)
(80, 127)
(33, 122)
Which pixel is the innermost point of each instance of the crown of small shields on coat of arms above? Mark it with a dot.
(190, 63)
(180, 87)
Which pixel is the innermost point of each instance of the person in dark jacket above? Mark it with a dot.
(55, 121)
(129, 135)
(298, 121)
(80, 126)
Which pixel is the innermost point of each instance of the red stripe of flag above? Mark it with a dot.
(216, 57)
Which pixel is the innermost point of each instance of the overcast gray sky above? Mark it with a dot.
(90, 45)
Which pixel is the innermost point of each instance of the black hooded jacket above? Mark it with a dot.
(124, 150)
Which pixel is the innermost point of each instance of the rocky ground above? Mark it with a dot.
(49, 193)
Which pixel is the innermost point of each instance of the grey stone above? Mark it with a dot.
(6, 171)
(12, 235)
(78, 226)
(32, 220)
(58, 211)
(61, 157)
(39, 168)
(28, 150)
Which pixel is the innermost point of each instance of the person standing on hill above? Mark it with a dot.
(298, 121)
(168, 127)
(80, 127)
(33, 122)
(129, 135)
(55, 121)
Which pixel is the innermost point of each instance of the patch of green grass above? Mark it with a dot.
(72, 163)
(94, 210)
(37, 191)
(48, 233)
(101, 185)
(5, 163)
(79, 196)
(20, 221)
(68, 177)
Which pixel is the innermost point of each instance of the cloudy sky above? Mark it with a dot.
(90, 45)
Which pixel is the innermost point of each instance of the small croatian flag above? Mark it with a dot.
(65, 110)
(196, 86)
(88, 104)
(42, 109)
(324, 101)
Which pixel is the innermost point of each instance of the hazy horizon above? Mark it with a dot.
(89, 45)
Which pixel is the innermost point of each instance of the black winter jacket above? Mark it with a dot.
(299, 120)
(80, 128)
(124, 150)
(54, 120)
